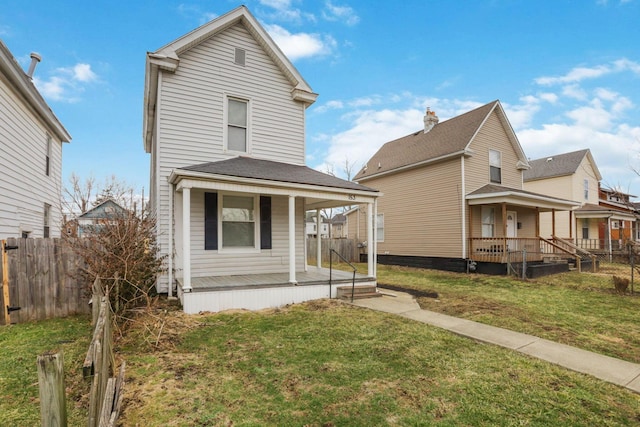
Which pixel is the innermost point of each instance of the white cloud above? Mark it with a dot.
(340, 13)
(276, 4)
(66, 84)
(330, 105)
(579, 74)
(301, 45)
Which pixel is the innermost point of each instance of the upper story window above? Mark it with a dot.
(47, 167)
(240, 56)
(237, 125)
(495, 166)
(586, 189)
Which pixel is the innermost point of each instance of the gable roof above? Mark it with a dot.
(247, 167)
(559, 165)
(100, 210)
(25, 88)
(167, 58)
(445, 140)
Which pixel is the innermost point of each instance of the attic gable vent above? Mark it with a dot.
(240, 56)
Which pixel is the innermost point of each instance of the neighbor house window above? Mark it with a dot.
(495, 166)
(380, 227)
(237, 124)
(585, 228)
(47, 219)
(615, 224)
(238, 222)
(47, 166)
(586, 189)
(488, 221)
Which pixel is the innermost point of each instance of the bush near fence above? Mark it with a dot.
(348, 248)
(44, 281)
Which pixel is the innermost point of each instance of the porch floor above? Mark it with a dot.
(314, 276)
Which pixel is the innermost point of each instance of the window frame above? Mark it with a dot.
(46, 219)
(47, 166)
(585, 228)
(247, 127)
(493, 166)
(256, 223)
(585, 185)
(491, 224)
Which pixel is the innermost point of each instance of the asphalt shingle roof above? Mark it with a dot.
(246, 167)
(444, 138)
(553, 166)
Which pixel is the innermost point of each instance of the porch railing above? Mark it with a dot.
(353, 281)
(580, 253)
(600, 244)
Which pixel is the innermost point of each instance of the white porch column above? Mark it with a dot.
(171, 231)
(186, 239)
(292, 239)
(609, 233)
(318, 239)
(370, 242)
(375, 238)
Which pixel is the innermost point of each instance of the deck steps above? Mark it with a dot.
(359, 292)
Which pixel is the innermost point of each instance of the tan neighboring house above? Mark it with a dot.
(31, 138)
(605, 217)
(224, 124)
(453, 197)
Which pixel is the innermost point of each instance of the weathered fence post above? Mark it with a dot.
(53, 404)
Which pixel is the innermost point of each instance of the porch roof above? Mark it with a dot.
(597, 211)
(492, 193)
(270, 177)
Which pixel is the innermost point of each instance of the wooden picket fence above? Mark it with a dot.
(348, 248)
(107, 392)
(43, 280)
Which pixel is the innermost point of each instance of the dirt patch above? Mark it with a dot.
(414, 292)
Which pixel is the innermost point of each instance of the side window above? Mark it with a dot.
(237, 126)
(47, 167)
(488, 221)
(380, 228)
(47, 220)
(238, 221)
(495, 166)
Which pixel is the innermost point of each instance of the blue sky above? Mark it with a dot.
(567, 72)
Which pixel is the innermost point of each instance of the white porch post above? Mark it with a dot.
(171, 231)
(292, 239)
(375, 238)
(186, 239)
(370, 242)
(318, 239)
(609, 233)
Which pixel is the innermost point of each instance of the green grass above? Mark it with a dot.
(20, 346)
(578, 309)
(327, 363)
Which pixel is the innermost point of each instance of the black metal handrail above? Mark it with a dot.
(353, 282)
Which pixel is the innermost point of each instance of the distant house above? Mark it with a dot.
(31, 138)
(224, 121)
(605, 217)
(103, 213)
(339, 226)
(311, 226)
(453, 195)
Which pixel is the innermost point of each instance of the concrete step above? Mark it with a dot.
(359, 292)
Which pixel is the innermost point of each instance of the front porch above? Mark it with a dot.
(259, 291)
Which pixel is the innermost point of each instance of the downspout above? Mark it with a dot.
(171, 202)
(609, 233)
(375, 237)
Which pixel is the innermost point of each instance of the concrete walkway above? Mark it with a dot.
(610, 369)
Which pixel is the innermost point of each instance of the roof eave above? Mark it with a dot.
(522, 199)
(466, 152)
(10, 68)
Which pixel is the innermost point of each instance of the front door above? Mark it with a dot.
(512, 230)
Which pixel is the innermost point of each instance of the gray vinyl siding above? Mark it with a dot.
(422, 211)
(492, 136)
(24, 185)
(189, 130)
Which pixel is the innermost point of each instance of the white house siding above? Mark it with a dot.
(492, 136)
(190, 112)
(421, 210)
(24, 185)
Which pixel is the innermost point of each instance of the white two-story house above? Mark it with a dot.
(31, 138)
(224, 123)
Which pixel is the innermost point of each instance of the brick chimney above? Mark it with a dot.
(430, 120)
